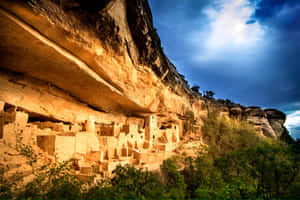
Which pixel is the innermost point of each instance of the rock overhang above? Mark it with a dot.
(25, 50)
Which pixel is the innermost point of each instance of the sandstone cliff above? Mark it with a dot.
(89, 80)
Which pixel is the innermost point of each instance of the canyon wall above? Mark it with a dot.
(89, 80)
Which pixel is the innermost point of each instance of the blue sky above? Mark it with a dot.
(244, 50)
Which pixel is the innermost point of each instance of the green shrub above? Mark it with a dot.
(223, 134)
(131, 183)
(189, 122)
(7, 185)
(173, 180)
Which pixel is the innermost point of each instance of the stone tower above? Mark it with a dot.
(151, 129)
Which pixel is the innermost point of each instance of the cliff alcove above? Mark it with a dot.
(88, 80)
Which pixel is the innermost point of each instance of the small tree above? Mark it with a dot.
(209, 94)
(195, 88)
(173, 180)
(131, 183)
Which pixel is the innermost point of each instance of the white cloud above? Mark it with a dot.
(227, 31)
(293, 120)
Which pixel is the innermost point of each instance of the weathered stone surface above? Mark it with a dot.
(276, 119)
(269, 122)
(59, 66)
(47, 143)
(92, 83)
(275, 114)
(43, 99)
(1, 106)
(236, 112)
(138, 83)
(24, 170)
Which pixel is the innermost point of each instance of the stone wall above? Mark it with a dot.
(86, 145)
(100, 91)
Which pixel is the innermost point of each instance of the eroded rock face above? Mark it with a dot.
(276, 119)
(269, 122)
(89, 80)
(148, 43)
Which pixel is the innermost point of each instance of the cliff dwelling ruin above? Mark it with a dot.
(98, 91)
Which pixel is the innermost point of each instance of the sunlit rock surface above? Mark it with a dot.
(88, 80)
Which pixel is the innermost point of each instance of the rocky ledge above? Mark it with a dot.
(89, 80)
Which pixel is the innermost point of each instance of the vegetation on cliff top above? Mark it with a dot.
(237, 164)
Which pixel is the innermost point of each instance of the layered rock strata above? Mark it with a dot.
(89, 80)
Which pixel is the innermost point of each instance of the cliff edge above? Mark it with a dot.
(89, 80)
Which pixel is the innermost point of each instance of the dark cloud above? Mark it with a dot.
(267, 75)
(290, 107)
(174, 19)
(281, 20)
(251, 21)
(189, 8)
(282, 14)
(268, 79)
(268, 8)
